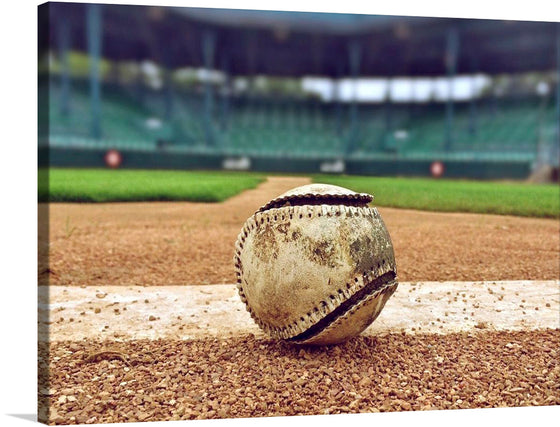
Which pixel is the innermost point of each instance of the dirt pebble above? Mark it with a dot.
(248, 377)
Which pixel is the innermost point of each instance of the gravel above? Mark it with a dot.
(157, 380)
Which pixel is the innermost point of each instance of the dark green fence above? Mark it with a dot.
(64, 157)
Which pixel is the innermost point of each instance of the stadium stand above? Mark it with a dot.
(305, 128)
(86, 107)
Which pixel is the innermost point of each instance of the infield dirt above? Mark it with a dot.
(181, 243)
(149, 380)
(152, 244)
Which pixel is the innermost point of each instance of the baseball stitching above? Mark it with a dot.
(327, 199)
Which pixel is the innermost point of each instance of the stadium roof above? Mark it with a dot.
(306, 22)
(305, 43)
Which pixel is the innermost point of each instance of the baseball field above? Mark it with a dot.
(140, 321)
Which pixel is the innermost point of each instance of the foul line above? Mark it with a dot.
(198, 312)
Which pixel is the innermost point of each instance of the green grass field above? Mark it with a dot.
(103, 185)
(501, 198)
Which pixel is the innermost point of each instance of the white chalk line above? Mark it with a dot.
(206, 311)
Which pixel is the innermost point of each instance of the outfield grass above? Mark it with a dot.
(456, 196)
(104, 185)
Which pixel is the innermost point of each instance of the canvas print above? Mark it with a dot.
(247, 213)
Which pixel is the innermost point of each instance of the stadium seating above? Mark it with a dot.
(299, 128)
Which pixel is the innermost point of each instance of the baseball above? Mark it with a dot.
(315, 265)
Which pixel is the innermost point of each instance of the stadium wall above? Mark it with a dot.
(131, 159)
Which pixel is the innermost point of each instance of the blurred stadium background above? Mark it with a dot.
(194, 88)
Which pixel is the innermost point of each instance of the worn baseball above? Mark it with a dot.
(315, 265)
